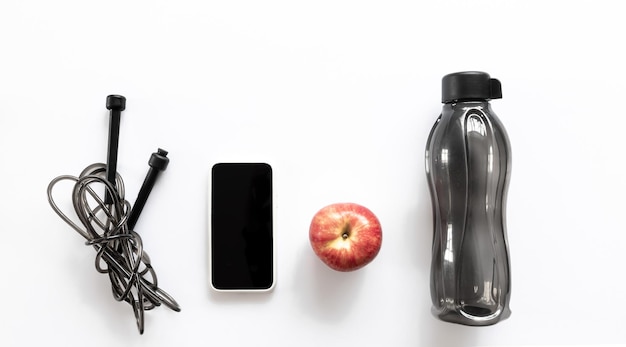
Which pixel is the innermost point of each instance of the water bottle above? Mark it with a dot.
(468, 164)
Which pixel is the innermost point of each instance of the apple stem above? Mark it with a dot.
(346, 231)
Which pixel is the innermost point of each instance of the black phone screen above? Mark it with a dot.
(242, 250)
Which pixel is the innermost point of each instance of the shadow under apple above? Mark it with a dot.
(324, 293)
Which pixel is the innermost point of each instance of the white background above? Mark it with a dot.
(339, 96)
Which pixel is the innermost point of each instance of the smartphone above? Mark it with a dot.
(241, 227)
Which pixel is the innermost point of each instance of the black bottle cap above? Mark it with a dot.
(469, 85)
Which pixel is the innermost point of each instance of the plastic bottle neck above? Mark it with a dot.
(467, 101)
(465, 105)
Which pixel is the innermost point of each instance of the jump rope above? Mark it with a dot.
(108, 223)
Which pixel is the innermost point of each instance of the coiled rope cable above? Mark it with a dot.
(119, 249)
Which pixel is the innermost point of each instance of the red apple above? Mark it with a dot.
(345, 236)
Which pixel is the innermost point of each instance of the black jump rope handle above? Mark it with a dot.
(115, 104)
(158, 161)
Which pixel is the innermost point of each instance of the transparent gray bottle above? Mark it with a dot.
(468, 164)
